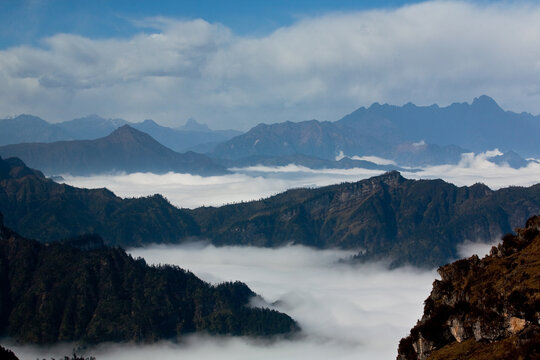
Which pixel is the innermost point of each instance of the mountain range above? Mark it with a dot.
(484, 308)
(409, 135)
(32, 129)
(80, 290)
(124, 150)
(419, 222)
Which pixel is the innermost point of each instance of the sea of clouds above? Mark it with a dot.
(253, 183)
(345, 311)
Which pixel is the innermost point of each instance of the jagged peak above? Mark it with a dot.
(150, 122)
(485, 102)
(391, 175)
(193, 125)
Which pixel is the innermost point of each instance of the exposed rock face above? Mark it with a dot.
(487, 308)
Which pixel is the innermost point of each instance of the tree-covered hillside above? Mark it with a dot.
(58, 292)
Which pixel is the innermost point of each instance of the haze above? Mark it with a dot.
(191, 191)
(346, 312)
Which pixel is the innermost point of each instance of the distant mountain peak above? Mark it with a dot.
(128, 132)
(485, 102)
(192, 125)
(150, 122)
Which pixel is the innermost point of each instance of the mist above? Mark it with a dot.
(345, 311)
(256, 182)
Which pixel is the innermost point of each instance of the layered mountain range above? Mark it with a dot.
(406, 135)
(29, 129)
(125, 150)
(484, 309)
(409, 135)
(418, 222)
(81, 290)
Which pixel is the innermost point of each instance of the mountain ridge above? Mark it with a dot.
(410, 135)
(124, 150)
(29, 129)
(418, 222)
(52, 293)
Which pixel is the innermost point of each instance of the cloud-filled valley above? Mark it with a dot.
(346, 312)
(253, 183)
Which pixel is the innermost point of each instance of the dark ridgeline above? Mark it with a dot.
(42, 209)
(124, 150)
(58, 292)
(418, 222)
(484, 309)
(6, 354)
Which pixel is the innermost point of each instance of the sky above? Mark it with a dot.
(235, 64)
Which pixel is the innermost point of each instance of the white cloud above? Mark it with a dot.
(346, 312)
(469, 248)
(320, 67)
(476, 168)
(256, 182)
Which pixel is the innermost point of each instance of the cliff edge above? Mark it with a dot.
(484, 308)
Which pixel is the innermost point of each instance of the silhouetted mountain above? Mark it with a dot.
(31, 129)
(410, 135)
(479, 126)
(484, 309)
(189, 137)
(419, 222)
(28, 128)
(89, 127)
(126, 150)
(192, 125)
(326, 140)
(39, 208)
(57, 293)
(6, 354)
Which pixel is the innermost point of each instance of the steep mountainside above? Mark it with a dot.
(57, 292)
(484, 309)
(39, 208)
(126, 149)
(411, 221)
(419, 222)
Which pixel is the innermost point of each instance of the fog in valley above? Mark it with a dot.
(346, 312)
(253, 183)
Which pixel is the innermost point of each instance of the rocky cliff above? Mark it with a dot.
(484, 309)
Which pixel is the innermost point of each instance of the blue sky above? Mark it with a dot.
(27, 21)
(234, 64)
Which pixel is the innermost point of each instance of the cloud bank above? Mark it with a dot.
(346, 312)
(256, 182)
(320, 67)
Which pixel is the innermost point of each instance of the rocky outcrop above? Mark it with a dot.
(484, 308)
